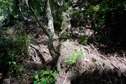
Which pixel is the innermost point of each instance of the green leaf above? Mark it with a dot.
(36, 76)
(73, 61)
(42, 79)
(51, 71)
(54, 74)
(9, 63)
(35, 82)
(51, 80)
(14, 63)
(45, 80)
(66, 61)
(39, 83)
(46, 72)
(96, 8)
(41, 72)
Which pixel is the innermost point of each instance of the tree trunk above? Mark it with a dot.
(52, 48)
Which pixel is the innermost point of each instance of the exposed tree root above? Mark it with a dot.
(91, 62)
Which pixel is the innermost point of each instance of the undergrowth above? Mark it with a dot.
(72, 58)
(13, 49)
(45, 77)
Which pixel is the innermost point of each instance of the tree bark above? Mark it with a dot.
(52, 48)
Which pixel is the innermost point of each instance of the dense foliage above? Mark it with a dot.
(13, 49)
(106, 17)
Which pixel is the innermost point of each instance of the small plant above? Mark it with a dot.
(84, 41)
(73, 57)
(44, 77)
(67, 34)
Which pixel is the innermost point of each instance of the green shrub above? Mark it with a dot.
(98, 10)
(84, 40)
(107, 17)
(73, 57)
(44, 77)
(13, 49)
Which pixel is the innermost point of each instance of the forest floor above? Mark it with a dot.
(96, 65)
(92, 63)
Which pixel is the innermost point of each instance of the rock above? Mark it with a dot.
(6, 81)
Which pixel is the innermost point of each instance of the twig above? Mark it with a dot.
(43, 27)
(65, 78)
(107, 59)
(62, 32)
(97, 52)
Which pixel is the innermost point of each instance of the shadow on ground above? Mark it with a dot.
(100, 78)
(112, 38)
